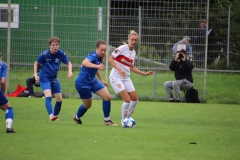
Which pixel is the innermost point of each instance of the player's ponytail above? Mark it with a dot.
(132, 32)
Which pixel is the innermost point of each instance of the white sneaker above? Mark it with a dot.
(121, 123)
(53, 118)
(31, 96)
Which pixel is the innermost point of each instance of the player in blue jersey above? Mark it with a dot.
(50, 61)
(4, 104)
(86, 83)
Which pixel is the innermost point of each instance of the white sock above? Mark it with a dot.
(51, 115)
(9, 123)
(131, 108)
(125, 106)
(106, 118)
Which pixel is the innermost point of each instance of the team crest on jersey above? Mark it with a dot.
(119, 86)
(56, 60)
(116, 51)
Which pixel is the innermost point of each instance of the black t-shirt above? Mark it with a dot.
(182, 69)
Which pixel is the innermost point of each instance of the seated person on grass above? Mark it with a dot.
(183, 74)
(31, 81)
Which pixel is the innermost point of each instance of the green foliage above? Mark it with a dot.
(235, 22)
(149, 52)
(164, 131)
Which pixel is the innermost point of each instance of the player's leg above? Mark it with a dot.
(86, 96)
(119, 89)
(102, 92)
(133, 96)
(46, 88)
(168, 85)
(9, 114)
(57, 91)
(30, 82)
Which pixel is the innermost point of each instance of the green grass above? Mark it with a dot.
(221, 88)
(163, 132)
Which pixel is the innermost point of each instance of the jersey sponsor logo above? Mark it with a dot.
(124, 60)
(119, 86)
(57, 60)
(116, 51)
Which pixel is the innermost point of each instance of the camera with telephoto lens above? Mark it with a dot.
(180, 56)
(37, 84)
(181, 52)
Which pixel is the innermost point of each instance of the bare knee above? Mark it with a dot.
(107, 97)
(87, 103)
(5, 106)
(58, 97)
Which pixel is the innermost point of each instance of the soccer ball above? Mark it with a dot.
(128, 123)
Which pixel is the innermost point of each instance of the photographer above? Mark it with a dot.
(31, 81)
(183, 75)
(183, 44)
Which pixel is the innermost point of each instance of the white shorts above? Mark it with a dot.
(119, 85)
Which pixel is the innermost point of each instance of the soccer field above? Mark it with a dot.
(164, 131)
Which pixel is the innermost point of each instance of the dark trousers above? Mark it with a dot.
(30, 82)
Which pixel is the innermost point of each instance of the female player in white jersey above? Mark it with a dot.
(122, 60)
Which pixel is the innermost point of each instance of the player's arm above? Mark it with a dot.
(3, 84)
(70, 73)
(137, 71)
(100, 78)
(112, 62)
(3, 79)
(86, 63)
(35, 71)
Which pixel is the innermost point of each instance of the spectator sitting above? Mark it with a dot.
(183, 75)
(183, 44)
(31, 81)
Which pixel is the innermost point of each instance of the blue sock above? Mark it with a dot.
(81, 111)
(106, 108)
(9, 113)
(48, 103)
(57, 108)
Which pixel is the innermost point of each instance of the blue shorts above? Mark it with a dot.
(53, 85)
(85, 90)
(3, 99)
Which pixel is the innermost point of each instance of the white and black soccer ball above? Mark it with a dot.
(128, 123)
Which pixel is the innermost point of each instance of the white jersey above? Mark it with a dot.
(124, 58)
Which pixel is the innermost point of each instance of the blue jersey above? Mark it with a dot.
(87, 75)
(3, 70)
(50, 64)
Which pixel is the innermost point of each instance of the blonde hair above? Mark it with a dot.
(132, 32)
